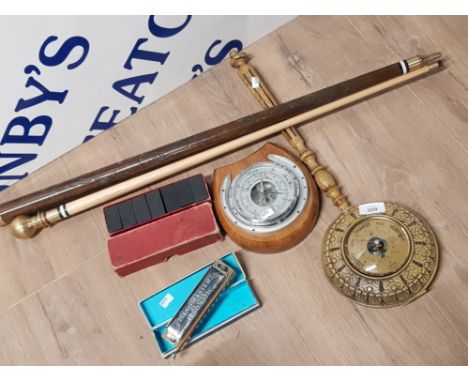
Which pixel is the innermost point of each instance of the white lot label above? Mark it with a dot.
(255, 82)
(372, 208)
(167, 299)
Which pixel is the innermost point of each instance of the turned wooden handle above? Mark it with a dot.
(257, 86)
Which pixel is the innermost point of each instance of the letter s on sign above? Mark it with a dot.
(64, 51)
(215, 60)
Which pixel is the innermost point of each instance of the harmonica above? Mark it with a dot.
(181, 327)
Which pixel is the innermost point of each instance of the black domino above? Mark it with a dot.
(169, 197)
(184, 193)
(198, 187)
(155, 204)
(140, 208)
(127, 214)
(112, 216)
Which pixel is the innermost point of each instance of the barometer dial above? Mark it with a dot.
(377, 246)
(265, 196)
(380, 259)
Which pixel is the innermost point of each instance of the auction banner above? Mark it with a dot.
(68, 78)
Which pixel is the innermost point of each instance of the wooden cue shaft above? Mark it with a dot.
(126, 169)
(97, 198)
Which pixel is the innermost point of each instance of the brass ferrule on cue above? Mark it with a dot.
(423, 60)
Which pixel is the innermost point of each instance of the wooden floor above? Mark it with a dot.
(60, 302)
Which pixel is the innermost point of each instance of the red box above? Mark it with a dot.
(158, 240)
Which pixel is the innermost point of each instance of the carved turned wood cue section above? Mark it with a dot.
(60, 303)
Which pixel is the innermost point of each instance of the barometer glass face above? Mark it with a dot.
(377, 247)
(380, 259)
(265, 196)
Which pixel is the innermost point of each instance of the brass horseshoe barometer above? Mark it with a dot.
(376, 254)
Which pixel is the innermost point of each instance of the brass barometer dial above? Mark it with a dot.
(380, 254)
(377, 246)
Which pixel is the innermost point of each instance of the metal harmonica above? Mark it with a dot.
(180, 328)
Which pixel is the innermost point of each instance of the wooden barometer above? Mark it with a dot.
(267, 202)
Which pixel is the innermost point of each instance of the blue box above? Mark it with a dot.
(235, 301)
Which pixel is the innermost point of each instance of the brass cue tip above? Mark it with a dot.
(2, 222)
(435, 56)
(432, 58)
(424, 60)
(23, 227)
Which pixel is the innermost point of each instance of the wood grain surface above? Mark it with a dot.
(60, 302)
